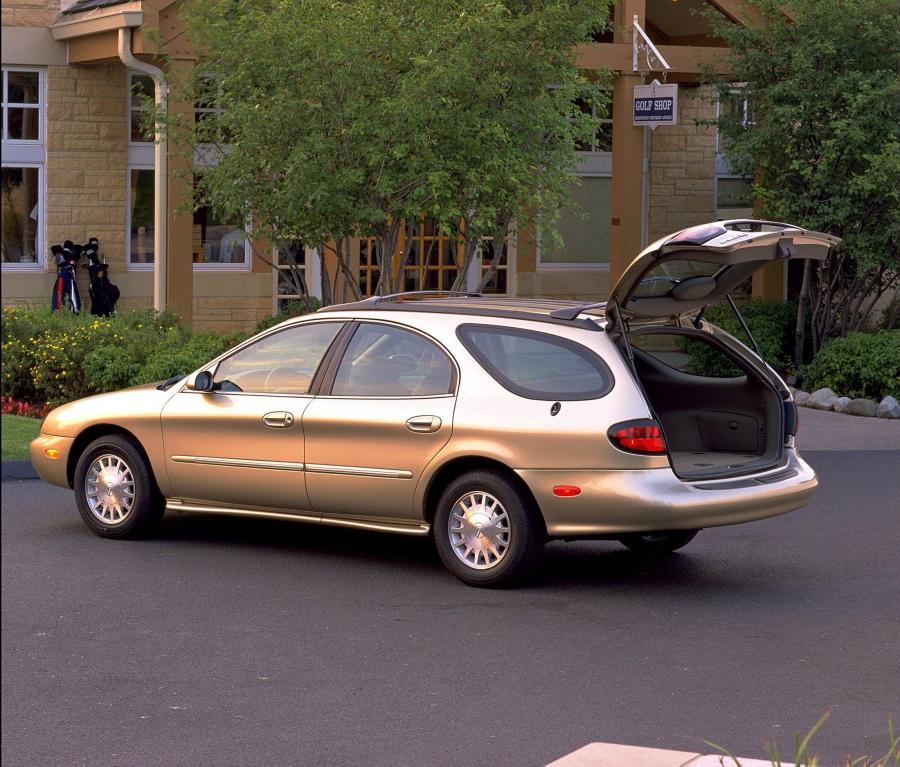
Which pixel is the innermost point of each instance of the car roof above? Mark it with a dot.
(557, 312)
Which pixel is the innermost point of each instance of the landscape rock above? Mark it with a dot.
(801, 397)
(822, 399)
(841, 405)
(888, 408)
(863, 407)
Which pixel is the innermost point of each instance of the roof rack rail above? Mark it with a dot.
(571, 312)
(375, 300)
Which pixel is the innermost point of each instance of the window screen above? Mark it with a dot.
(584, 227)
(537, 365)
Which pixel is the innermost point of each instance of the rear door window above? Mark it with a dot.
(387, 361)
(537, 365)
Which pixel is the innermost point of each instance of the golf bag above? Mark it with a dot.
(65, 289)
(103, 293)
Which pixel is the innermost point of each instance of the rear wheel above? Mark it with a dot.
(114, 489)
(486, 530)
(658, 544)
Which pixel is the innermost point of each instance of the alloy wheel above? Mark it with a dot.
(479, 530)
(109, 489)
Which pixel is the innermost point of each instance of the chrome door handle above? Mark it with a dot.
(424, 423)
(279, 420)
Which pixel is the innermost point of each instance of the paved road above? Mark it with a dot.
(241, 642)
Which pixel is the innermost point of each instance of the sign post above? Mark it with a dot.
(655, 104)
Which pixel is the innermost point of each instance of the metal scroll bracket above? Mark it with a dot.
(645, 56)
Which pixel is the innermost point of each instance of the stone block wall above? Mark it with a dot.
(230, 301)
(87, 169)
(29, 13)
(683, 166)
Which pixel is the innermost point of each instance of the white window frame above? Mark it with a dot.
(129, 266)
(218, 266)
(133, 107)
(29, 153)
(737, 89)
(204, 155)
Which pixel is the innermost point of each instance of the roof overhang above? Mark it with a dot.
(98, 20)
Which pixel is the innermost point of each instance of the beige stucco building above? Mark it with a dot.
(75, 165)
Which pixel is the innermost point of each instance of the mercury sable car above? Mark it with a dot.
(490, 424)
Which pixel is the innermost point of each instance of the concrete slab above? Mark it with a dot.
(617, 755)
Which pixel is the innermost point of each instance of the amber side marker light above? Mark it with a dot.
(52, 452)
(638, 437)
(566, 491)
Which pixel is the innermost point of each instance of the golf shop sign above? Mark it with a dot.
(655, 104)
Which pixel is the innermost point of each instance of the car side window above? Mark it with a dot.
(537, 365)
(283, 362)
(387, 361)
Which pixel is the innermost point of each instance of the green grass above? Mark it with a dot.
(17, 433)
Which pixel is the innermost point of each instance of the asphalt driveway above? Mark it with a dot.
(246, 642)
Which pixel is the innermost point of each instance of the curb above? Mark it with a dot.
(17, 470)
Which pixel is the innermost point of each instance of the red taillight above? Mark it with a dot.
(566, 491)
(646, 438)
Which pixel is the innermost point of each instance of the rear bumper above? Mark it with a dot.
(52, 470)
(613, 502)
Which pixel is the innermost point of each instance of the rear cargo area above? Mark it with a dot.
(720, 417)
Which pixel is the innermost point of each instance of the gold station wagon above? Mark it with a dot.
(491, 424)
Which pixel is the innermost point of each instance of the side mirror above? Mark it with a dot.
(202, 381)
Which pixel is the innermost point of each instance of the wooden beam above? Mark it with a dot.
(684, 59)
(740, 11)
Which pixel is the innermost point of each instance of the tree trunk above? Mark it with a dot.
(342, 251)
(500, 235)
(800, 331)
(327, 299)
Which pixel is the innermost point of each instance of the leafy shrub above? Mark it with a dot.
(177, 356)
(55, 357)
(291, 309)
(772, 324)
(859, 365)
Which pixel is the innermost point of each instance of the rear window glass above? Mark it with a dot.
(537, 365)
(687, 354)
(660, 280)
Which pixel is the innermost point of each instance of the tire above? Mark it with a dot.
(514, 542)
(132, 503)
(658, 544)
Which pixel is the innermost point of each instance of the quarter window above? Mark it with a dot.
(386, 361)
(283, 362)
(537, 365)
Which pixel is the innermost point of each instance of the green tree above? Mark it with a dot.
(821, 137)
(341, 119)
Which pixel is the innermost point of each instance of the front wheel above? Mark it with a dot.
(115, 491)
(657, 544)
(486, 530)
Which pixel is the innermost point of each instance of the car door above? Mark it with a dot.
(385, 410)
(241, 444)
